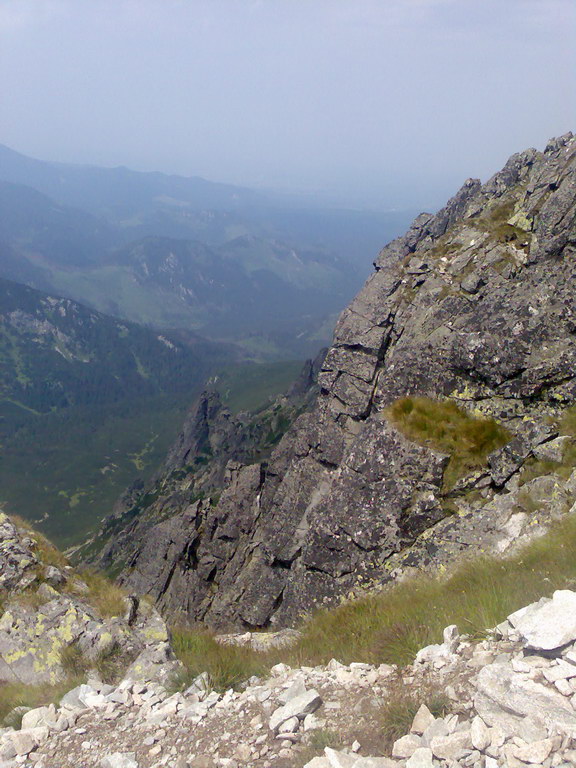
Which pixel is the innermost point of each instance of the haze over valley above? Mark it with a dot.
(287, 384)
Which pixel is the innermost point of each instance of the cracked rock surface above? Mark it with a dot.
(474, 304)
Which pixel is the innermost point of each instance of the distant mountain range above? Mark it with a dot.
(174, 252)
(56, 353)
(121, 292)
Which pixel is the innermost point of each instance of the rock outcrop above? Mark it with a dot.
(475, 304)
(47, 610)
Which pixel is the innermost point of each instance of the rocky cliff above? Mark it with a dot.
(473, 307)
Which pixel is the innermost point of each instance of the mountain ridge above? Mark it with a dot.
(482, 291)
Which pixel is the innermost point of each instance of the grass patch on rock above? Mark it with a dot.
(444, 427)
(106, 597)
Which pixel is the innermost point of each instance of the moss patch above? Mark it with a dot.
(443, 426)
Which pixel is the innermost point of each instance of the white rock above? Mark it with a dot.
(406, 746)
(339, 759)
(300, 706)
(243, 753)
(451, 637)
(451, 747)
(421, 758)
(536, 752)
(311, 722)
(479, 734)
(436, 729)
(40, 716)
(119, 760)
(560, 671)
(438, 655)
(278, 670)
(289, 726)
(296, 689)
(318, 762)
(25, 741)
(504, 696)
(74, 699)
(93, 700)
(564, 687)
(422, 719)
(550, 624)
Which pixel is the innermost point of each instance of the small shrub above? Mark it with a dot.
(226, 665)
(445, 427)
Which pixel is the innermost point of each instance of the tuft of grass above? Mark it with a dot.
(73, 661)
(14, 695)
(401, 705)
(226, 665)
(317, 740)
(112, 664)
(445, 427)
(106, 597)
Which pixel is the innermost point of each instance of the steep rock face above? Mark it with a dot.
(475, 304)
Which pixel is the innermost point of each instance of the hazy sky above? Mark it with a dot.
(389, 102)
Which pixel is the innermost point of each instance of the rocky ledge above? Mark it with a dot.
(510, 701)
(46, 609)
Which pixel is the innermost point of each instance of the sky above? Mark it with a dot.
(369, 103)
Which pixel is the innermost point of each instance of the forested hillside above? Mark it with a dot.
(87, 403)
